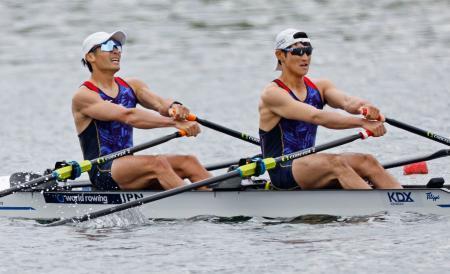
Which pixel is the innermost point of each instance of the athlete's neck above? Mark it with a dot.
(105, 81)
(294, 82)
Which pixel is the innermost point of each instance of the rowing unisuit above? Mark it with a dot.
(104, 137)
(289, 136)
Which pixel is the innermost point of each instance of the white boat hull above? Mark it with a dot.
(263, 203)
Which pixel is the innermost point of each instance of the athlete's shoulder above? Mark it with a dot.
(84, 93)
(322, 83)
(133, 81)
(272, 94)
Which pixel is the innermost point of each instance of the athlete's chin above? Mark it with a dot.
(302, 71)
(115, 69)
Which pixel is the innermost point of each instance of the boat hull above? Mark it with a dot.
(264, 203)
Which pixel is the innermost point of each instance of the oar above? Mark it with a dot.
(86, 165)
(228, 131)
(412, 129)
(439, 154)
(418, 131)
(227, 164)
(242, 171)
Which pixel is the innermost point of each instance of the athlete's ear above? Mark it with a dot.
(90, 57)
(280, 55)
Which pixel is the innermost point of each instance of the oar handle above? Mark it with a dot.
(191, 117)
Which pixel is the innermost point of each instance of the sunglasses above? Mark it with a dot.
(300, 51)
(108, 46)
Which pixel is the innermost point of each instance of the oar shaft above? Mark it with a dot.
(228, 131)
(26, 185)
(439, 154)
(131, 150)
(227, 164)
(418, 131)
(86, 165)
(221, 165)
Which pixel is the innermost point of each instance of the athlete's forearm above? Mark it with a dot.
(144, 119)
(354, 104)
(164, 106)
(335, 120)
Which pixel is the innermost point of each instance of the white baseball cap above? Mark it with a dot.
(287, 38)
(100, 37)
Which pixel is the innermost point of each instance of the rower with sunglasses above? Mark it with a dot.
(105, 113)
(291, 108)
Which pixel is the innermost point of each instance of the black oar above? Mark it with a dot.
(86, 165)
(227, 164)
(242, 171)
(225, 130)
(439, 154)
(427, 134)
(418, 131)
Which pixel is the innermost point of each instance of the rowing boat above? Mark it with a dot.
(42, 198)
(250, 200)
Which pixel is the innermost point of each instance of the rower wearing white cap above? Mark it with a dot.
(105, 113)
(291, 108)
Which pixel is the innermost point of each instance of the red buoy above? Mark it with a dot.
(416, 168)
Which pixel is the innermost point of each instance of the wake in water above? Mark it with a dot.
(122, 219)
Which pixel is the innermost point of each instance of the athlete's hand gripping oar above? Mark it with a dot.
(255, 168)
(86, 165)
(413, 129)
(228, 131)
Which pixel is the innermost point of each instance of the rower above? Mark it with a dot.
(105, 113)
(291, 108)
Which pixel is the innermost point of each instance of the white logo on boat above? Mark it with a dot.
(81, 198)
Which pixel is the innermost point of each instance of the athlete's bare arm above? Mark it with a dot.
(87, 105)
(275, 102)
(338, 99)
(151, 100)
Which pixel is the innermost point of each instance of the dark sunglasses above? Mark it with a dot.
(300, 51)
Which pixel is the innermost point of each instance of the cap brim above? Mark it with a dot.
(119, 36)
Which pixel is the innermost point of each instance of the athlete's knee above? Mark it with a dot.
(338, 163)
(369, 161)
(158, 164)
(189, 161)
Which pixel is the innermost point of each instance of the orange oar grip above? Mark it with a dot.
(182, 132)
(191, 117)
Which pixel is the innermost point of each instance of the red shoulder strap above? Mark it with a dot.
(121, 82)
(281, 85)
(310, 83)
(91, 86)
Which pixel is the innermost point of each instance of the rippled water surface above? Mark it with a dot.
(215, 56)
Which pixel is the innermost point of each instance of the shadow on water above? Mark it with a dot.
(311, 219)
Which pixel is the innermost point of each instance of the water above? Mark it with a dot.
(215, 56)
